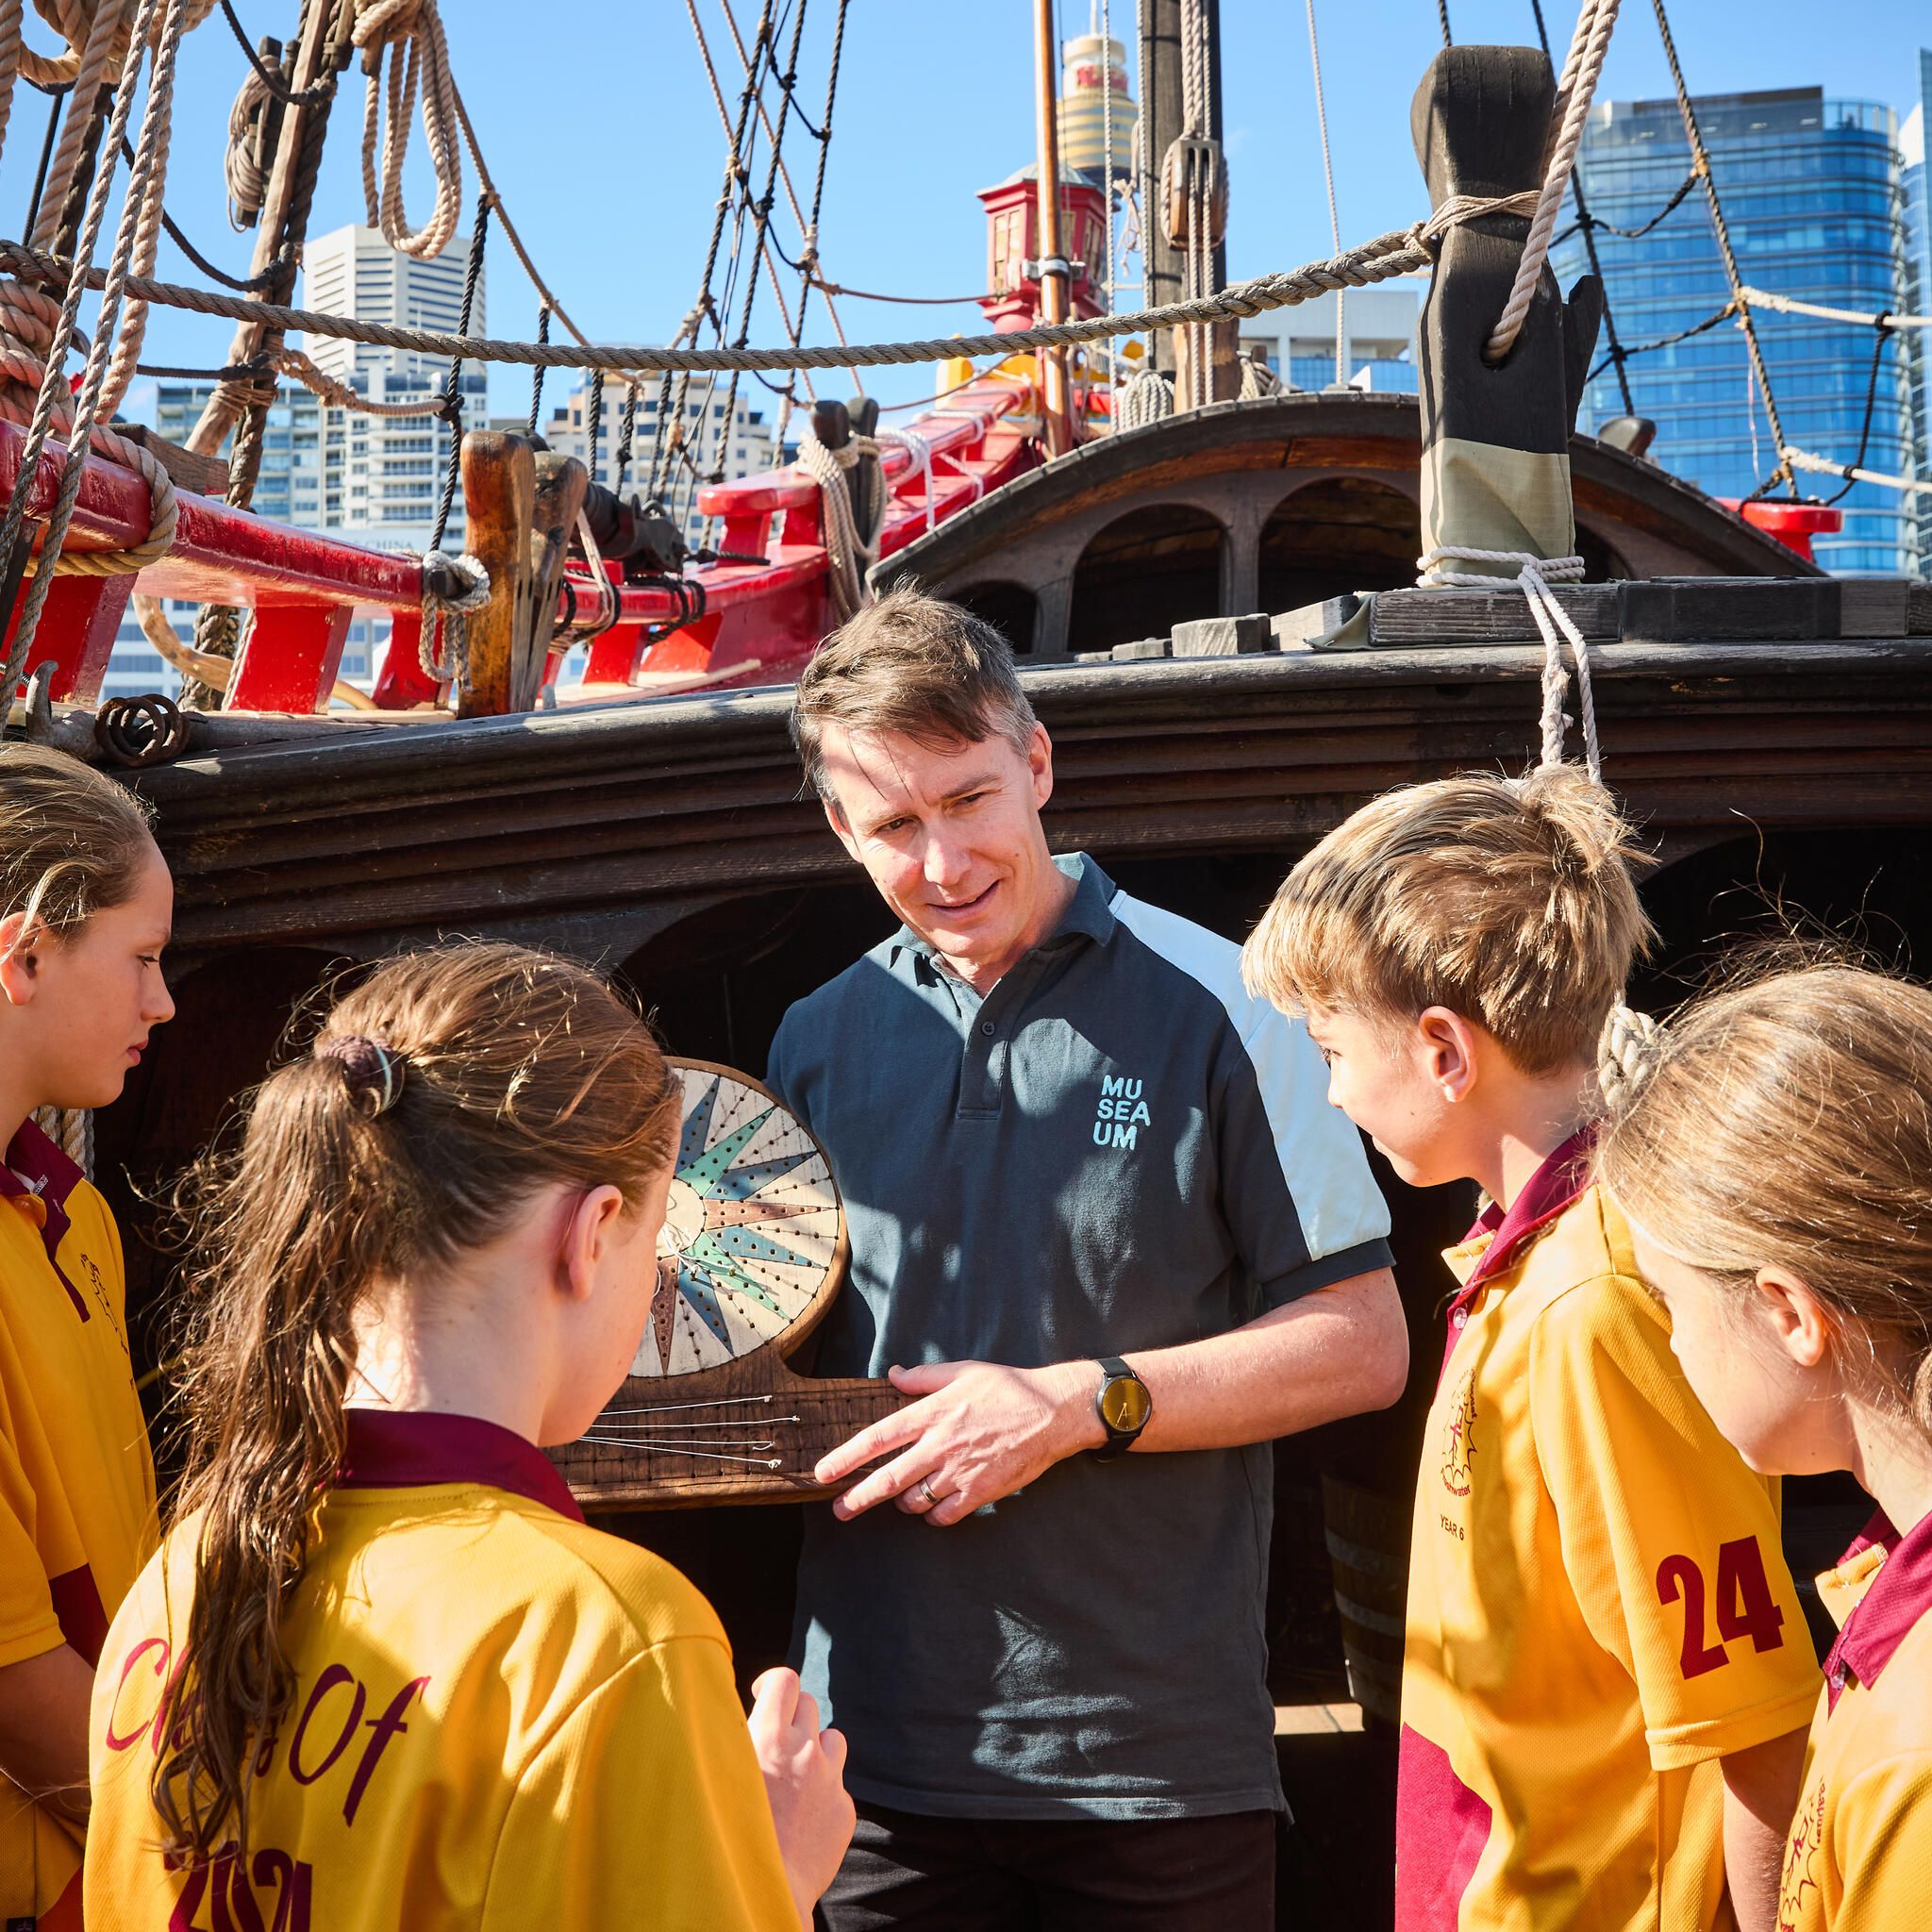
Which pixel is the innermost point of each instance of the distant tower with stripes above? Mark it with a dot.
(1091, 64)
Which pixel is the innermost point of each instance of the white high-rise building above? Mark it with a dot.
(382, 475)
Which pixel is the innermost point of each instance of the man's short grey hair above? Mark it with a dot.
(910, 663)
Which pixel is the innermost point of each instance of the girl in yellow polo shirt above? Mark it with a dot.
(85, 905)
(381, 1673)
(1776, 1166)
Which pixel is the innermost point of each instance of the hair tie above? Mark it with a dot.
(373, 1069)
(1629, 1051)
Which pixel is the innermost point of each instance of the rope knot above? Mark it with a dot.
(1629, 1051)
(453, 587)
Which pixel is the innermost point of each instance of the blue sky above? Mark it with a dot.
(601, 135)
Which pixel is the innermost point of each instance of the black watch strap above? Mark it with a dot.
(1112, 1370)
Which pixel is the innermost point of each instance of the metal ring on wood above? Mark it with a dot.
(139, 731)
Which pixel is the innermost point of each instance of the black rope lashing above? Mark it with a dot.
(626, 431)
(1603, 227)
(595, 406)
(242, 285)
(1626, 350)
(57, 95)
(1881, 333)
(310, 96)
(1443, 15)
(537, 379)
(452, 391)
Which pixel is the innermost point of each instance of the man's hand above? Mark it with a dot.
(980, 1433)
(804, 1769)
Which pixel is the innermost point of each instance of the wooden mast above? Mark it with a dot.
(1053, 272)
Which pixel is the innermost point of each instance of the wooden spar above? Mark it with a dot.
(1495, 469)
(500, 503)
(1054, 271)
(1161, 108)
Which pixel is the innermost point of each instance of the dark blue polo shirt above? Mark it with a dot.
(1115, 1149)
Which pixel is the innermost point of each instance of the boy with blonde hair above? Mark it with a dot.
(1606, 1674)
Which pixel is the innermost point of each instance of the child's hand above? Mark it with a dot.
(804, 1769)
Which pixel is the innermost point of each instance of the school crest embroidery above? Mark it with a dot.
(1459, 1442)
(1801, 1852)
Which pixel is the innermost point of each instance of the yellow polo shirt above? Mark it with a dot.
(1860, 1853)
(76, 1484)
(502, 1719)
(1598, 1606)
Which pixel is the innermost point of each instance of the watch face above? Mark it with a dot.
(1124, 1404)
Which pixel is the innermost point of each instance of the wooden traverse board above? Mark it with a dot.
(752, 1252)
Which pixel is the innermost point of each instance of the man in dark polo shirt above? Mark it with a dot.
(1106, 1226)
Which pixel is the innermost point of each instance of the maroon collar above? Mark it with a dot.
(401, 1449)
(1895, 1599)
(48, 1174)
(1563, 1175)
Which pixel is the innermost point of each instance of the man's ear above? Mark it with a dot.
(22, 943)
(1039, 763)
(588, 1231)
(1450, 1051)
(840, 830)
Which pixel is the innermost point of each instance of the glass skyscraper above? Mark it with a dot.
(1815, 206)
(1916, 180)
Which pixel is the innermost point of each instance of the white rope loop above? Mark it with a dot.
(849, 553)
(1534, 576)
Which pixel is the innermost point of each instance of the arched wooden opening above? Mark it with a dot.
(1146, 573)
(1012, 610)
(1345, 533)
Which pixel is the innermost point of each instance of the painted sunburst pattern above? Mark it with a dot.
(751, 1228)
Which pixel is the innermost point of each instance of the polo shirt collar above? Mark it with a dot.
(1490, 1245)
(406, 1449)
(1897, 1595)
(39, 1177)
(1088, 914)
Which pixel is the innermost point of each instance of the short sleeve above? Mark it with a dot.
(647, 1803)
(28, 1625)
(776, 1060)
(1881, 1845)
(1301, 1205)
(1669, 1543)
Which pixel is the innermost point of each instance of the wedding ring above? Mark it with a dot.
(925, 1491)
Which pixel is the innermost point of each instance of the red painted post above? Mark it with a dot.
(78, 624)
(290, 659)
(402, 683)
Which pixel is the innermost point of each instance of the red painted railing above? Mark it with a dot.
(759, 623)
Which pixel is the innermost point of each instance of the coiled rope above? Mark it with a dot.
(408, 34)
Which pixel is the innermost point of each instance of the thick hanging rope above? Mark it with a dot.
(1534, 576)
(1400, 252)
(919, 451)
(1582, 67)
(408, 35)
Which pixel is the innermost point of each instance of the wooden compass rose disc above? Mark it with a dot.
(754, 1241)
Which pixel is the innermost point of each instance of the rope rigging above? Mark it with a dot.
(1583, 221)
(1328, 181)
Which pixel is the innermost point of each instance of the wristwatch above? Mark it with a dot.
(1124, 1407)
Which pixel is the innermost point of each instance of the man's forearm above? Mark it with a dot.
(1338, 1352)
